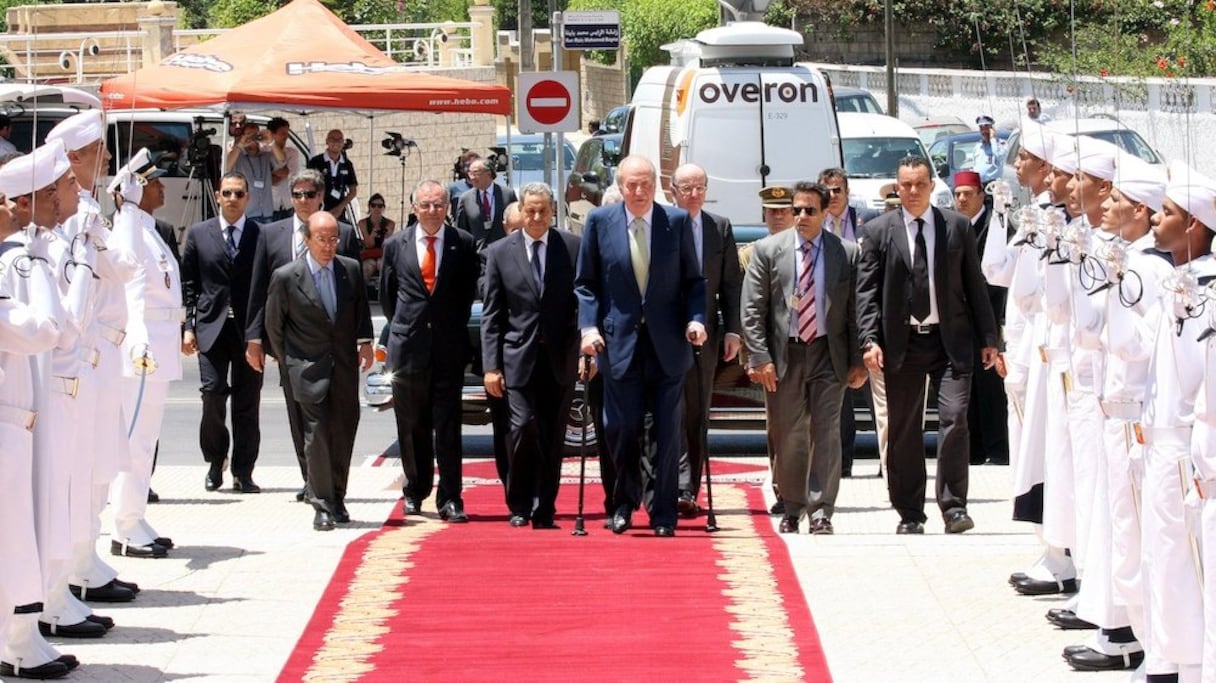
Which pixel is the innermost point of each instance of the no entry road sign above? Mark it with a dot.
(548, 102)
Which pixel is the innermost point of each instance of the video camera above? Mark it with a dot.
(496, 160)
(198, 150)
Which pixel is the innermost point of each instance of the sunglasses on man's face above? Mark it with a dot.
(239, 194)
(304, 194)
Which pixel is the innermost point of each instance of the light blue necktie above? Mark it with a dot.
(325, 287)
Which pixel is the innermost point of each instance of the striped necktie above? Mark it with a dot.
(807, 325)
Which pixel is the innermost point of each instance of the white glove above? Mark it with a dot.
(1135, 464)
(142, 360)
(1192, 507)
(39, 245)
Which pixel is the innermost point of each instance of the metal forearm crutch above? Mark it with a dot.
(711, 519)
(584, 413)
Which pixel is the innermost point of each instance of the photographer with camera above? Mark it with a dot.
(341, 185)
(259, 167)
(460, 178)
(280, 133)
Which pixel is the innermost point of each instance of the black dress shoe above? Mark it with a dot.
(1070, 650)
(84, 629)
(1092, 660)
(821, 526)
(111, 592)
(453, 511)
(663, 531)
(622, 519)
(322, 521)
(518, 520)
(302, 494)
(1067, 620)
(215, 476)
(52, 669)
(687, 505)
(107, 622)
(1017, 577)
(69, 661)
(997, 461)
(1039, 587)
(412, 506)
(789, 525)
(959, 521)
(905, 528)
(153, 497)
(846, 474)
(778, 508)
(342, 515)
(164, 541)
(544, 523)
(150, 550)
(129, 585)
(245, 485)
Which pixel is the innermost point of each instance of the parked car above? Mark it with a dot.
(615, 120)
(594, 169)
(528, 157)
(932, 129)
(855, 100)
(954, 153)
(873, 145)
(1103, 128)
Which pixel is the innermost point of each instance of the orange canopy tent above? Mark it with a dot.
(301, 57)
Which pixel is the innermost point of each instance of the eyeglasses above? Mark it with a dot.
(805, 210)
(835, 190)
(376, 206)
(304, 194)
(239, 194)
(692, 189)
(429, 206)
(329, 241)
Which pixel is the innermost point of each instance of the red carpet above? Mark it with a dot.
(484, 601)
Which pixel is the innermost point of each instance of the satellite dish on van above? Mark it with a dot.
(745, 10)
(747, 43)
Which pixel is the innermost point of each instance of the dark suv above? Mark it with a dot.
(594, 170)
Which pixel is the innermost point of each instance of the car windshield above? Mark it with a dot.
(1129, 141)
(877, 157)
(530, 156)
(857, 103)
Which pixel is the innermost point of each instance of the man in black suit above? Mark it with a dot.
(845, 221)
(480, 209)
(217, 266)
(922, 310)
(280, 243)
(427, 285)
(320, 328)
(714, 241)
(641, 302)
(529, 343)
(988, 415)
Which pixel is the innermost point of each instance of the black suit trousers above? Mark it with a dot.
(328, 446)
(696, 415)
(244, 386)
(906, 475)
(427, 406)
(594, 396)
(295, 422)
(535, 443)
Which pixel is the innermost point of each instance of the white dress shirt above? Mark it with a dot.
(420, 236)
(930, 234)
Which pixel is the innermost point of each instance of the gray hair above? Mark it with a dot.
(308, 175)
(427, 183)
(538, 189)
(612, 195)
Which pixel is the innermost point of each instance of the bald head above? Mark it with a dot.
(690, 184)
(321, 237)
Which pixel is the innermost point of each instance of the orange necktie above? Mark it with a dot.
(428, 264)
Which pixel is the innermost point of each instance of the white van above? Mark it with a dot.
(873, 145)
(740, 108)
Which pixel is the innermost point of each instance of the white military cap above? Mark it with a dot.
(1037, 140)
(1194, 192)
(1139, 180)
(1064, 153)
(1096, 157)
(34, 171)
(79, 130)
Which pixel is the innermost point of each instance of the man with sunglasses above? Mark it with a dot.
(217, 268)
(800, 328)
(278, 244)
(340, 186)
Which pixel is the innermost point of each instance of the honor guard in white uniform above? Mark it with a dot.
(28, 270)
(1171, 566)
(92, 579)
(151, 357)
(1201, 501)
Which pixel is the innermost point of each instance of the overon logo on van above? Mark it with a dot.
(751, 92)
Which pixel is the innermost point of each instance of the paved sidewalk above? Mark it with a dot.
(233, 598)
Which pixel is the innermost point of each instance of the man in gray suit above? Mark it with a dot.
(479, 211)
(320, 328)
(800, 329)
(714, 241)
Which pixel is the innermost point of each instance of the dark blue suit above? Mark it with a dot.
(646, 355)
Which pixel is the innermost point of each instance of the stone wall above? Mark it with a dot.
(604, 87)
(440, 138)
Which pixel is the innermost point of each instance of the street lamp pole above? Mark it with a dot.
(892, 91)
